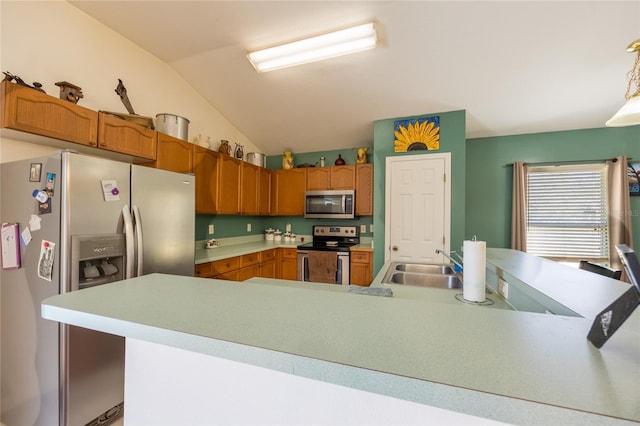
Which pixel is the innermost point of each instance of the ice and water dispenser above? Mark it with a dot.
(97, 259)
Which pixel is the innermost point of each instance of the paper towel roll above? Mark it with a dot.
(475, 272)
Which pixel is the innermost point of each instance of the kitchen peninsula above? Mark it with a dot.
(288, 352)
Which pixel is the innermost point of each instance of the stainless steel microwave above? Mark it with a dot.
(330, 204)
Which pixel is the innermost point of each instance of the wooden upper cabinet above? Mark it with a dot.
(29, 110)
(174, 154)
(205, 168)
(249, 189)
(229, 185)
(287, 192)
(337, 177)
(318, 178)
(364, 189)
(343, 177)
(264, 192)
(118, 135)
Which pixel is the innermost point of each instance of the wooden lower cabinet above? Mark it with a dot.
(241, 268)
(361, 267)
(287, 263)
(267, 267)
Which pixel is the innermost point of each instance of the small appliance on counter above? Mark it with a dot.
(212, 243)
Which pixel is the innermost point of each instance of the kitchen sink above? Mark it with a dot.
(434, 275)
(424, 268)
(423, 280)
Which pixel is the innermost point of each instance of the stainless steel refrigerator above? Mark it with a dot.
(72, 221)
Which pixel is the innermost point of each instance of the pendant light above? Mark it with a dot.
(629, 114)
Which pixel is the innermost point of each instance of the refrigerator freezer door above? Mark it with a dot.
(29, 360)
(166, 203)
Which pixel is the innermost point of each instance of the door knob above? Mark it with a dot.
(394, 248)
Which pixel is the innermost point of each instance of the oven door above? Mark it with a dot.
(341, 272)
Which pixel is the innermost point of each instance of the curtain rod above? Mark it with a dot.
(570, 162)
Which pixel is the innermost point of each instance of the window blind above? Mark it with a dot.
(567, 212)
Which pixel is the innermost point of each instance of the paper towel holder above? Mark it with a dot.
(485, 302)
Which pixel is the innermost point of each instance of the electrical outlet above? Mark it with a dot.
(371, 228)
(248, 227)
(363, 229)
(210, 229)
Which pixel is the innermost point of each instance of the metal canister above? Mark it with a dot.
(173, 125)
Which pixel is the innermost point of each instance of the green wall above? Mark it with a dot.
(452, 139)
(489, 173)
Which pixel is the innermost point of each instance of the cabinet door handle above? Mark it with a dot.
(394, 248)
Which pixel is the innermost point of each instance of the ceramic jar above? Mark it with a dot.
(224, 147)
(277, 235)
(287, 160)
(268, 234)
(339, 161)
(362, 156)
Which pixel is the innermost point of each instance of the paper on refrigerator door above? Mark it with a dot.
(45, 263)
(10, 246)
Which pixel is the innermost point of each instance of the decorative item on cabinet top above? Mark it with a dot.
(10, 77)
(339, 161)
(173, 125)
(224, 147)
(287, 160)
(70, 92)
(362, 156)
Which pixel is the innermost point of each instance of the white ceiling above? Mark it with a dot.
(514, 66)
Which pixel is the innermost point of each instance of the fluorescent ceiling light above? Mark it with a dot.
(331, 45)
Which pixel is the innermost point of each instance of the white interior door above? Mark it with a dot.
(418, 207)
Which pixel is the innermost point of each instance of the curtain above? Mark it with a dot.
(619, 210)
(519, 207)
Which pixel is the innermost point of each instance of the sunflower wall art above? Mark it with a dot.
(417, 134)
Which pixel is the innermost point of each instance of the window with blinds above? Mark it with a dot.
(567, 212)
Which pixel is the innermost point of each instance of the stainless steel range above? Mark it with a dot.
(326, 259)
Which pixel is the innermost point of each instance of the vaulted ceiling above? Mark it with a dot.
(514, 66)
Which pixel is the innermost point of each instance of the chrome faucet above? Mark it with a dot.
(458, 264)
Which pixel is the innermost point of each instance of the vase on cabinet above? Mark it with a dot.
(287, 160)
(361, 157)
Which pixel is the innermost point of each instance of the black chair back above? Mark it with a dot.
(600, 269)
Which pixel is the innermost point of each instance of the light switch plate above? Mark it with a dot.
(211, 229)
(371, 228)
(363, 228)
(248, 227)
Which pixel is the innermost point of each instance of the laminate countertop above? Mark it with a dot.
(516, 367)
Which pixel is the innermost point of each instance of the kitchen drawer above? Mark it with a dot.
(225, 265)
(360, 256)
(204, 270)
(250, 259)
(267, 255)
(289, 253)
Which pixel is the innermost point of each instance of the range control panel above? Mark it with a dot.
(335, 231)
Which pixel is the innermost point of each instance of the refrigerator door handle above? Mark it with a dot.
(128, 237)
(139, 240)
